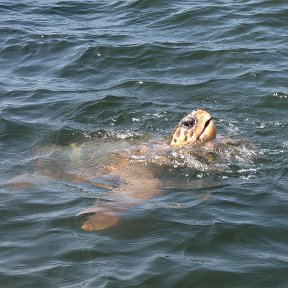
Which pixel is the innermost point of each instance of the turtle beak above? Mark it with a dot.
(205, 128)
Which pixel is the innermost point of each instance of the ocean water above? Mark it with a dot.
(83, 81)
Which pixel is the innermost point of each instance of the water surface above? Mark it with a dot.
(107, 75)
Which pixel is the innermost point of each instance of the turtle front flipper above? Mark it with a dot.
(104, 216)
(100, 222)
(138, 184)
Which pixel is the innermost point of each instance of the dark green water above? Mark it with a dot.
(105, 74)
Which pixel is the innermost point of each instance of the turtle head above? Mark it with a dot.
(196, 127)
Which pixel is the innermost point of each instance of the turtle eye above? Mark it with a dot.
(188, 123)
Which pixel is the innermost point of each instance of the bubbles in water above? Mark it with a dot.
(220, 158)
(280, 95)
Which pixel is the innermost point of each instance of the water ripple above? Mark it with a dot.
(81, 82)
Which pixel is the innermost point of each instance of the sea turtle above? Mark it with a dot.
(129, 174)
(137, 182)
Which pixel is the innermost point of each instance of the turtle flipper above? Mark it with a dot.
(138, 185)
(100, 221)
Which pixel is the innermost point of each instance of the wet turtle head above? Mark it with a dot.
(196, 127)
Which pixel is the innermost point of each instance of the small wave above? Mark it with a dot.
(18, 138)
(280, 95)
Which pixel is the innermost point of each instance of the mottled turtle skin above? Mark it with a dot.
(138, 182)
